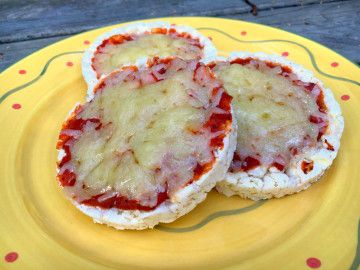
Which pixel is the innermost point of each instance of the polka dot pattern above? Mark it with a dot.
(345, 97)
(313, 263)
(86, 42)
(243, 33)
(22, 71)
(334, 64)
(16, 106)
(11, 257)
(69, 64)
(285, 54)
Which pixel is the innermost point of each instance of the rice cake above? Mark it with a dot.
(289, 126)
(135, 43)
(149, 145)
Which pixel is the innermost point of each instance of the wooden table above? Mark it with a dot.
(27, 26)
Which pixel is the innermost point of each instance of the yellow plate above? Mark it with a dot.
(40, 229)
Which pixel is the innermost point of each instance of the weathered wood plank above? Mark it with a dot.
(23, 20)
(332, 24)
(336, 25)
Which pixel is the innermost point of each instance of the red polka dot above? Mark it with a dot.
(345, 97)
(243, 33)
(285, 54)
(313, 262)
(334, 64)
(210, 38)
(86, 42)
(11, 257)
(16, 106)
(22, 71)
(69, 64)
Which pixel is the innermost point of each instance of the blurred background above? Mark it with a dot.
(26, 26)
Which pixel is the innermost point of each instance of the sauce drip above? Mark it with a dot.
(278, 166)
(246, 164)
(329, 146)
(307, 166)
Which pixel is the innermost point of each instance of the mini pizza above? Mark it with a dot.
(289, 126)
(135, 43)
(149, 145)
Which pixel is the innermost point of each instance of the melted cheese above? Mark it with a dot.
(146, 138)
(272, 113)
(111, 56)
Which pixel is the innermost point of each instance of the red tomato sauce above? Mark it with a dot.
(121, 202)
(307, 166)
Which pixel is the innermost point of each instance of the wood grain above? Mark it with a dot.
(37, 24)
(335, 25)
(21, 20)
